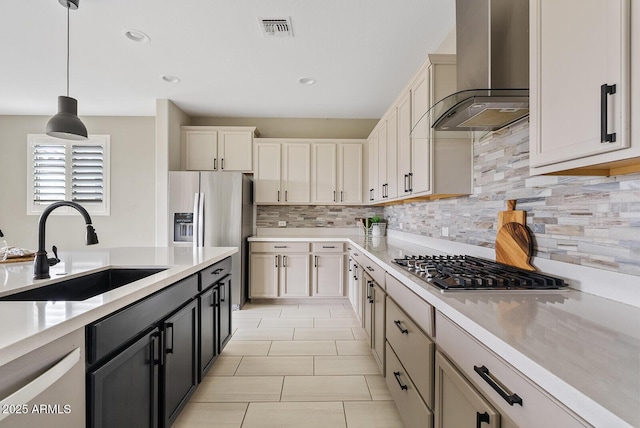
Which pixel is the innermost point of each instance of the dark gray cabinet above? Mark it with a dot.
(124, 391)
(145, 361)
(180, 363)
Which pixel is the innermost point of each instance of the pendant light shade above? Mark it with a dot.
(66, 124)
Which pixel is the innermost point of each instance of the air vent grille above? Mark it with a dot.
(276, 27)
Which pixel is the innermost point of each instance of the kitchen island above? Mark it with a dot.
(181, 314)
(581, 349)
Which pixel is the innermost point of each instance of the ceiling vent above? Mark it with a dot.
(276, 27)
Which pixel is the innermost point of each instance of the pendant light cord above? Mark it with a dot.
(68, 49)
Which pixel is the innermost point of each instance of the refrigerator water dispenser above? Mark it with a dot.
(183, 227)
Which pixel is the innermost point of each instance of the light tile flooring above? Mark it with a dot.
(301, 365)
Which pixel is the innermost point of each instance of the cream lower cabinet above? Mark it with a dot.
(328, 269)
(279, 270)
(458, 404)
(475, 387)
(373, 309)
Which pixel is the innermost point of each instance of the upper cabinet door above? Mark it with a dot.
(235, 150)
(324, 174)
(373, 193)
(579, 50)
(267, 173)
(201, 149)
(382, 161)
(404, 144)
(296, 177)
(392, 155)
(420, 176)
(350, 173)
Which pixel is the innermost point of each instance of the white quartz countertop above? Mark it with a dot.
(582, 349)
(29, 325)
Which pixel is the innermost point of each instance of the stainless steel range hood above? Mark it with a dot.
(492, 56)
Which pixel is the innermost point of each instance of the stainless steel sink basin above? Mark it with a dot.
(84, 287)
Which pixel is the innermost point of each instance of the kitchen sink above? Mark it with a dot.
(84, 287)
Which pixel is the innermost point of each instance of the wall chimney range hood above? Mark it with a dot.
(492, 68)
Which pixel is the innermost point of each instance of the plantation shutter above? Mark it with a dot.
(87, 173)
(49, 173)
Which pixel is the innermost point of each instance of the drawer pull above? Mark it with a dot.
(402, 386)
(328, 246)
(482, 417)
(370, 269)
(399, 325)
(497, 386)
(279, 246)
(217, 271)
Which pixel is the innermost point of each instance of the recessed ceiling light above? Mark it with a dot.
(170, 79)
(137, 36)
(306, 80)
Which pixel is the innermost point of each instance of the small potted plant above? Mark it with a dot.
(378, 226)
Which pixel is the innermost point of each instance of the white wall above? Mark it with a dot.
(131, 222)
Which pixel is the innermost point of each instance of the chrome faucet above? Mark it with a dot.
(41, 263)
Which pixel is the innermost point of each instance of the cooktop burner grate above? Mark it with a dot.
(462, 272)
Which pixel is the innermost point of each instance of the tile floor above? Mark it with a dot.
(301, 365)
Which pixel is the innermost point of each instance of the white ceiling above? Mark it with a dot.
(361, 53)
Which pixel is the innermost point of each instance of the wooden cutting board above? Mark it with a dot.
(514, 244)
(511, 215)
(19, 259)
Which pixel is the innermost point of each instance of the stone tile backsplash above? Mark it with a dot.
(302, 216)
(590, 221)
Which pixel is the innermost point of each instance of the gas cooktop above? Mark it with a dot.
(461, 272)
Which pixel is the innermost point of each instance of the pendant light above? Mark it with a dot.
(66, 124)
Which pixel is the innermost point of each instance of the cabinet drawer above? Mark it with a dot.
(279, 247)
(108, 334)
(413, 349)
(413, 411)
(420, 311)
(214, 273)
(467, 353)
(328, 247)
(375, 271)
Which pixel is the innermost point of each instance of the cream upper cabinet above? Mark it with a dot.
(374, 191)
(213, 148)
(350, 173)
(324, 173)
(404, 144)
(382, 183)
(581, 85)
(267, 173)
(391, 154)
(420, 175)
(296, 175)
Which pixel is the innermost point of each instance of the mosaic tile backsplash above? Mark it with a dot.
(300, 216)
(590, 221)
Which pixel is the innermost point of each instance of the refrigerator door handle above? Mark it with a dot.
(201, 220)
(196, 219)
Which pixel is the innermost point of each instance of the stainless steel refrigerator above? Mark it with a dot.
(214, 209)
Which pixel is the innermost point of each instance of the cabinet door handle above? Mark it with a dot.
(278, 196)
(497, 386)
(482, 417)
(222, 163)
(402, 386)
(169, 326)
(355, 272)
(286, 195)
(334, 196)
(223, 293)
(399, 325)
(315, 261)
(341, 196)
(349, 265)
(213, 300)
(155, 349)
(276, 260)
(406, 185)
(215, 163)
(284, 261)
(411, 181)
(605, 90)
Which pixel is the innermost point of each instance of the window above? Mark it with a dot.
(68, 170)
